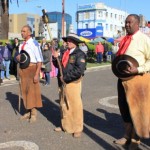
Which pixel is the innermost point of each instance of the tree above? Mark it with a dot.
(4, 19)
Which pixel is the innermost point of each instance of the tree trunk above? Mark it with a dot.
(4, 19)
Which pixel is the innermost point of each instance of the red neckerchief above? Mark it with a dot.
(22, 47)
(65, 57)
(124, 44)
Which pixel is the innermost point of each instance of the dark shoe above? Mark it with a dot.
(17, 79)
(8, 78)
(122, 141)
(77, 134)
(58, 129)
(1, 81)
(134, 144)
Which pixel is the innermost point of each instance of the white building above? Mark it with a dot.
(51, 31)
(97, 19)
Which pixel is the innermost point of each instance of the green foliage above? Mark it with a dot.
(91, 53)
(109, 46)
(3, 41)
(91, 47)
(89, 65)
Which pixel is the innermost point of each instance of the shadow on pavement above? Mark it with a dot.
(51, 111)
(14, 101)
(108, 126)
(112, 125)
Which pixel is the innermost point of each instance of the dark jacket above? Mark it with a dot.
(1, 50)
(15, 49)
(47, 60)
(75, 67)
(9, 51)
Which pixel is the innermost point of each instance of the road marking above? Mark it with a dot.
(9, 83)
(105, 102)
(24, 144)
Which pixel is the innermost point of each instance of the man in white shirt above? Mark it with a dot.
(30, 87)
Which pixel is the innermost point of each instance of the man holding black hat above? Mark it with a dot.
(70, 73)
(30, 60)
(132, 67)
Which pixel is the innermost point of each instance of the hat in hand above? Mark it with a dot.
(121, 63)
(24, 59)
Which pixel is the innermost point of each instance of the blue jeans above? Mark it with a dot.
(99, 57)
(47, 77)
(7, 65)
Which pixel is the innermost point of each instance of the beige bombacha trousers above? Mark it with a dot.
(71, 107)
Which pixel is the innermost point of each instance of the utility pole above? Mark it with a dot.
(63, 17)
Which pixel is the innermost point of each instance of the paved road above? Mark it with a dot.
(102, 121)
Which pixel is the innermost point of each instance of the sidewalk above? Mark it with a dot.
(12, 77)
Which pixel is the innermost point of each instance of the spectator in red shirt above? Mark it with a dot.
(99, 50)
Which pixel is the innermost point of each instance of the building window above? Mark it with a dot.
(86, 26)
(100, 13)
(115, 28)
(106, 26)
(111, 27)
(119, 17)
(99, 24)
(106, 14)
(111, 15)
(80, 16)
(86, 15)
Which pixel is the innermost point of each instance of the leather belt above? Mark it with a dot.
(32, 64)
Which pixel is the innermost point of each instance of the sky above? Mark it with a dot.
(36, 6)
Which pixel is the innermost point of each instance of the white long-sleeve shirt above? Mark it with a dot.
(33, 49)
(139, 49)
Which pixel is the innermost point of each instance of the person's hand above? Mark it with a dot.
(18, 58)
(36, 78)
(62, 80)
(132, 70)
(56, 54)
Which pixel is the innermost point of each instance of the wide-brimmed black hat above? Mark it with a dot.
(73, 37)
(24, 59)
(121, 63)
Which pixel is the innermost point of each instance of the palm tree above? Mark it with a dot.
(4, 19)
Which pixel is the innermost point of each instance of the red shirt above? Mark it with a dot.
(99, 48)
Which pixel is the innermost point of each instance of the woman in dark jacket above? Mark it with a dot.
(46, 63)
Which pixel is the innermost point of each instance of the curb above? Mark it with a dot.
(99, 67)
(12, 78)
